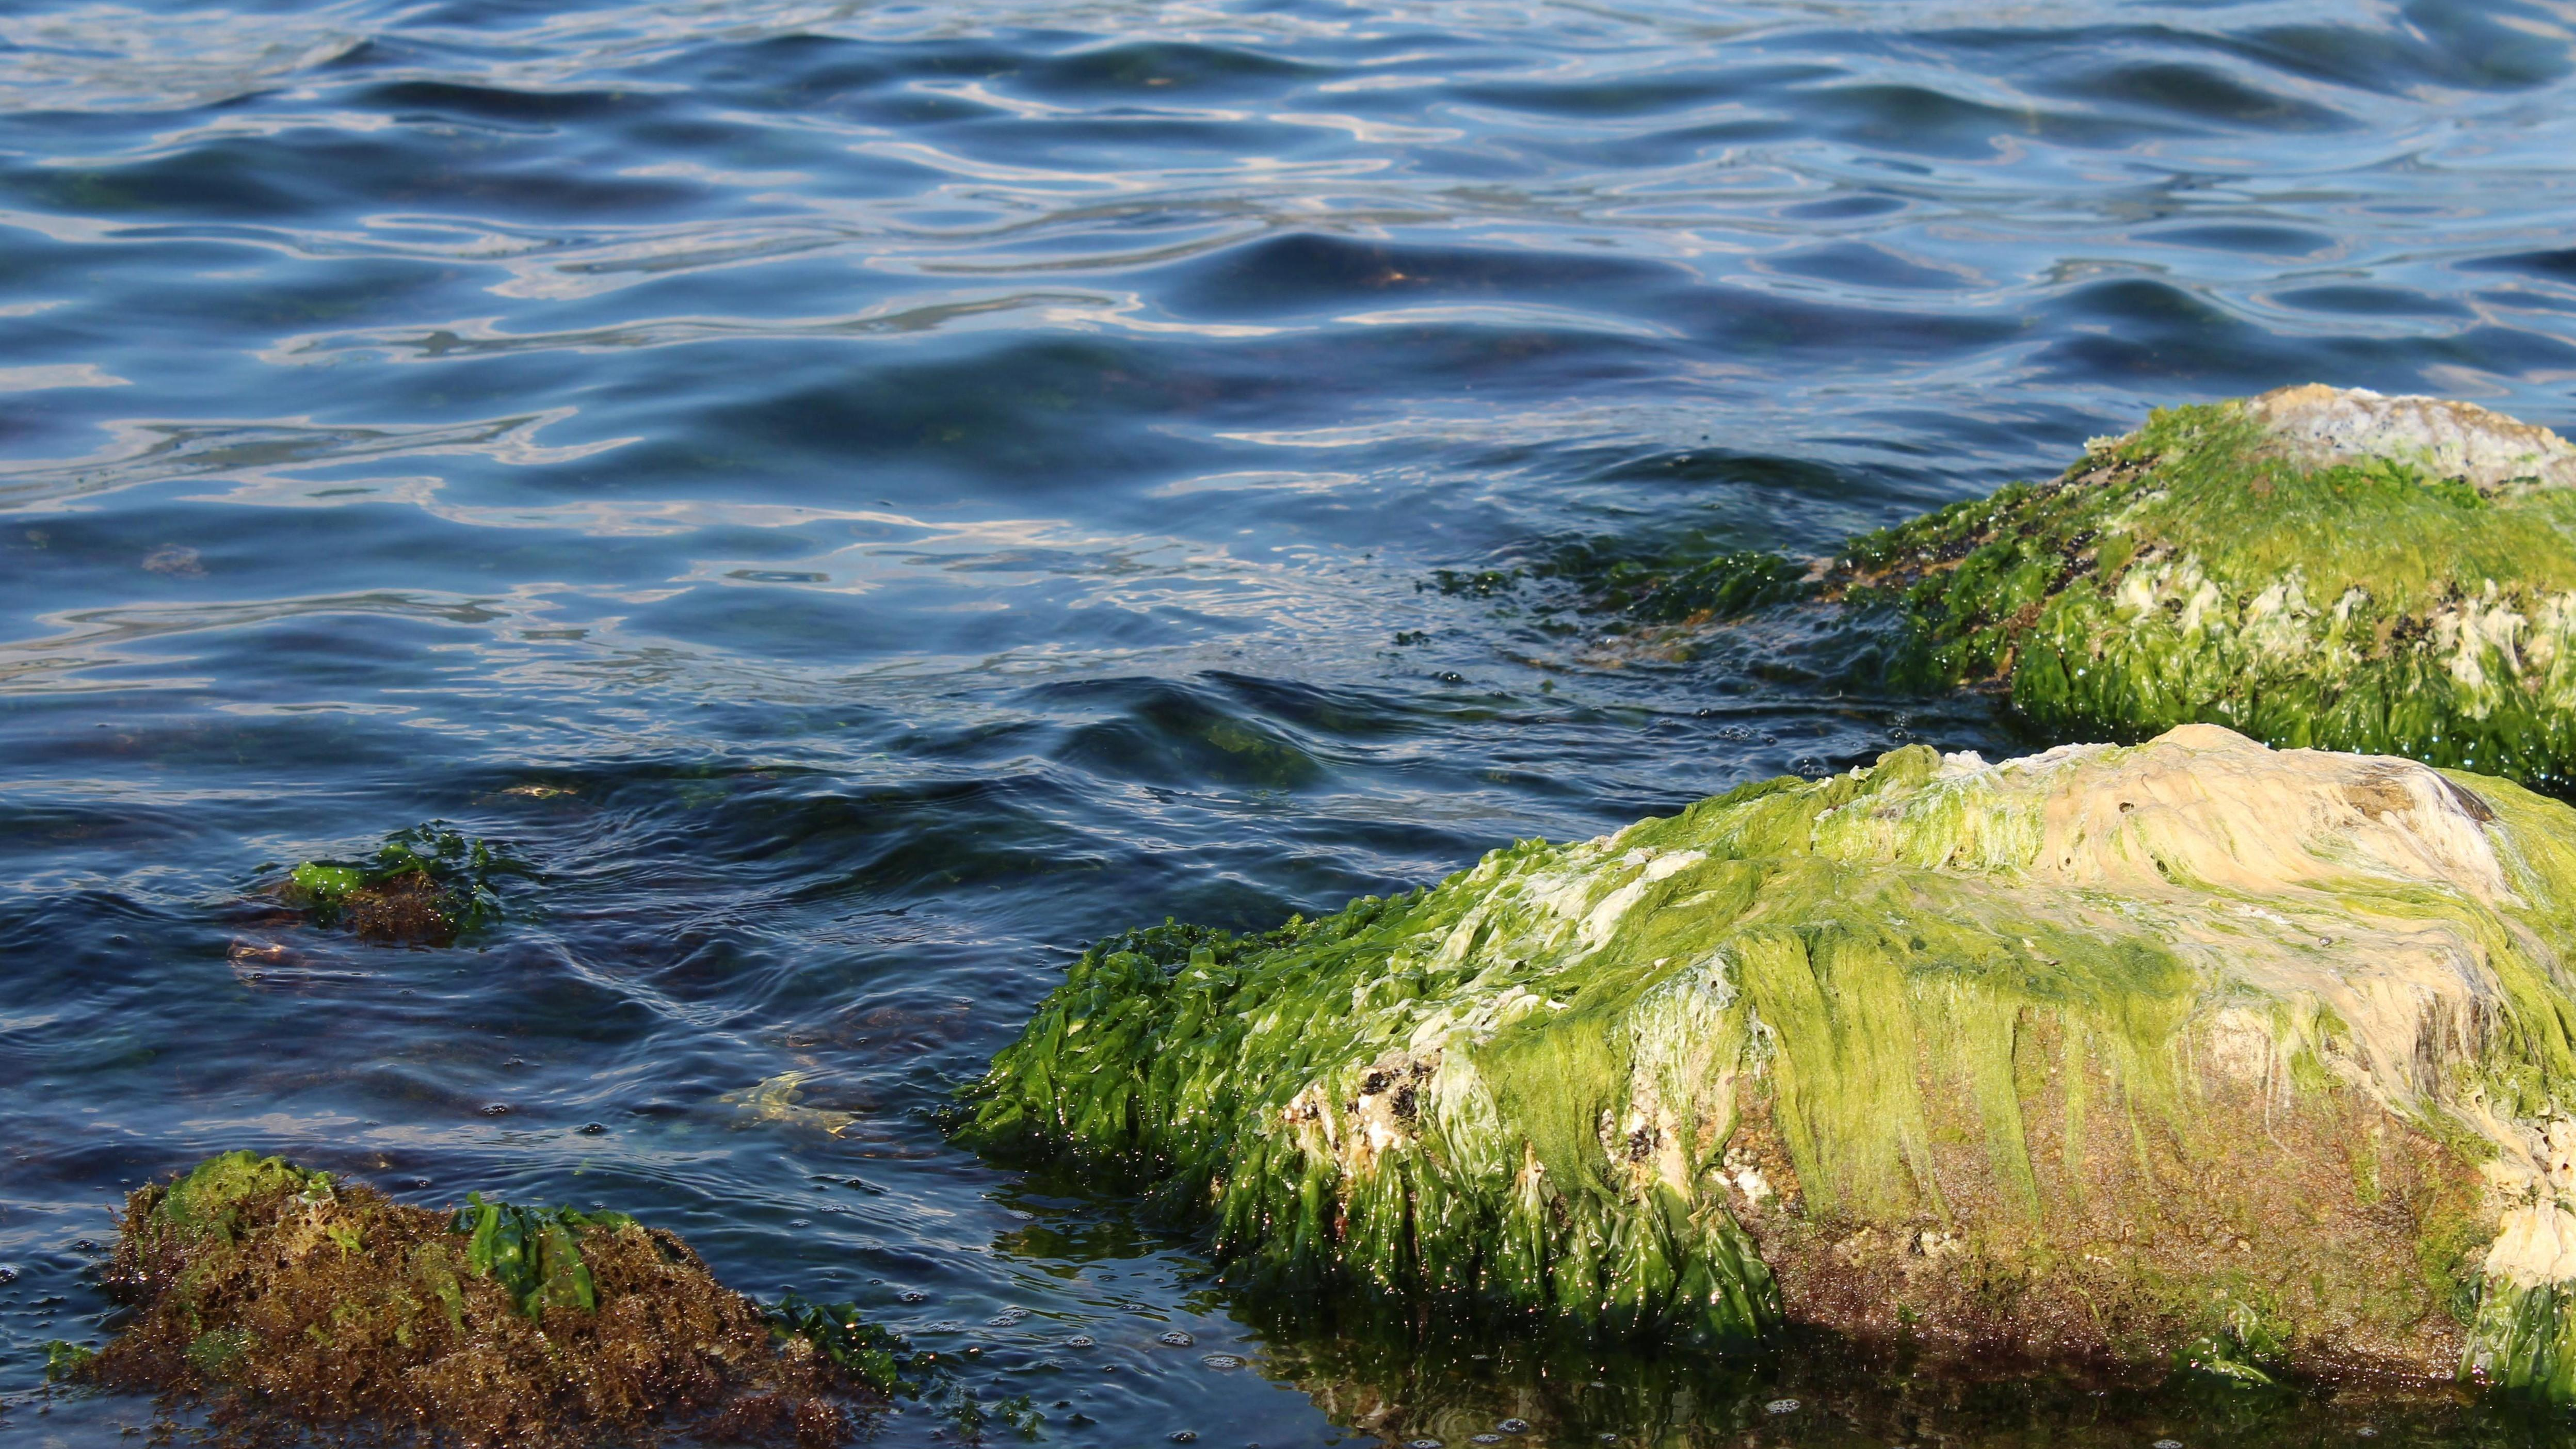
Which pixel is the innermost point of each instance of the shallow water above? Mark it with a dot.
(867, 497)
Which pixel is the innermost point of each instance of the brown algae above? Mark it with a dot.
(425, 886)
(292, 1301)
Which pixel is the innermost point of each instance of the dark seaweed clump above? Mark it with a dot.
(426, 885)
(293, 1303)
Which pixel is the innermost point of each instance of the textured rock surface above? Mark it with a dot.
(2319, 427)
(2191, 1047)
(2313, 567)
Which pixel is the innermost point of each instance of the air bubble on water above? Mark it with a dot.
(1422, 1444)
(1080, 1340)
(1514, 1426)
(1222, 1361)
(1790, 1406)
(1177, 1338)
(1484, 1438)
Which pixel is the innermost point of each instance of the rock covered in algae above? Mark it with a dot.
(2194, 1047)
(295, 1301)
(2314, 567)
(426, 885)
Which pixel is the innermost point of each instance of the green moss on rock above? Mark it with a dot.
(2312, 567)
(2192, 1051)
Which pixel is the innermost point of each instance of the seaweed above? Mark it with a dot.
(428, 885)
(533, 1253)
(873, 1356)
(293, 1302)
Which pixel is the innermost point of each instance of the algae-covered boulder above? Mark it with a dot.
(295, 1302)
(2194, 1047)
(2313, 567)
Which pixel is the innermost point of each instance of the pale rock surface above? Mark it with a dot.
(2321, 425)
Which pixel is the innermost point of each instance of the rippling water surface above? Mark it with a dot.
(869, 496)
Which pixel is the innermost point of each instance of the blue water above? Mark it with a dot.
(869, 496)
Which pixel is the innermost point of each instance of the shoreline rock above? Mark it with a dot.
(2314, 567)
(2191, 1050)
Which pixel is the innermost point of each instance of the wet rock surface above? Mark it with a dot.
(2194, 1050)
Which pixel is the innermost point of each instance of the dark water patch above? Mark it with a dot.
(1844, 208)
(2442, 44)
(1862, 265)
(533, 109)
(2371, 302)
(1165, 734)
(2163, 332)
(1913, 120)
(1654, 94)
(2202, 93)
(2552, 265)
(1301, 272)
(1182, 69)
(2269, 241)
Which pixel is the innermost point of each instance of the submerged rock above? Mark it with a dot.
(295, 1301)
(2314, 567)
(2191, 1048)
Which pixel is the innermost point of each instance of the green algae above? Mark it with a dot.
(427, 883)
(1863, 1050)
(209, 1199)
(67, 1362)
(873, 1355)
(533, 1253)
(2196, 571)
(2525, 1340)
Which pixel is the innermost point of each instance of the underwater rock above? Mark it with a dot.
(290, 1299)
(426, 886)
(2189, 1050)
(2314, 567)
